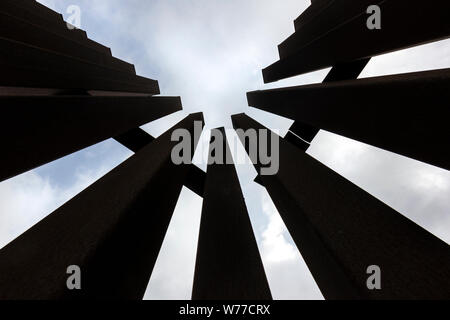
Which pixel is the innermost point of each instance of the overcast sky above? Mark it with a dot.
(211, 52)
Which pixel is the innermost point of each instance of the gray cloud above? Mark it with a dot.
(211, 52)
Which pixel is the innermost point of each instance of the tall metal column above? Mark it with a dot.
(36, 130)
(228, 263)
(19, 29)
(344, 71)
(25, 65)
(341, 230)
(113, 231)
(405, 114)
(337, 32)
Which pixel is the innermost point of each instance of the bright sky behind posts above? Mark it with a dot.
(211, 53)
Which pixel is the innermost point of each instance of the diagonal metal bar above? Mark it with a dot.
(344, 71)
(333, 37)
(21, 30)
(134, 139)
(341, 230)
(50, 20)
(113, 231)
(195, 180)
(228, 263)
(405, 114)
(24, 65)
(36, 130)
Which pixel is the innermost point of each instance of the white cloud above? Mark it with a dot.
(435, 55)
(275, 248)
(415, 189)
(28, 198)
(211, 53)
(24, 200)
(287, 273)
(174, 269)
(208, 51)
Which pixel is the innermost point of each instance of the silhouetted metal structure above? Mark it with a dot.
(61, 92)
(113, 231)
(340, 229)
(228, 263)
(405, 114)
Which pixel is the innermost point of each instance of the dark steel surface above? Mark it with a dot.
(37, 130)
(406, 114)
(228, 263)
(113, 230)
(340, 230)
